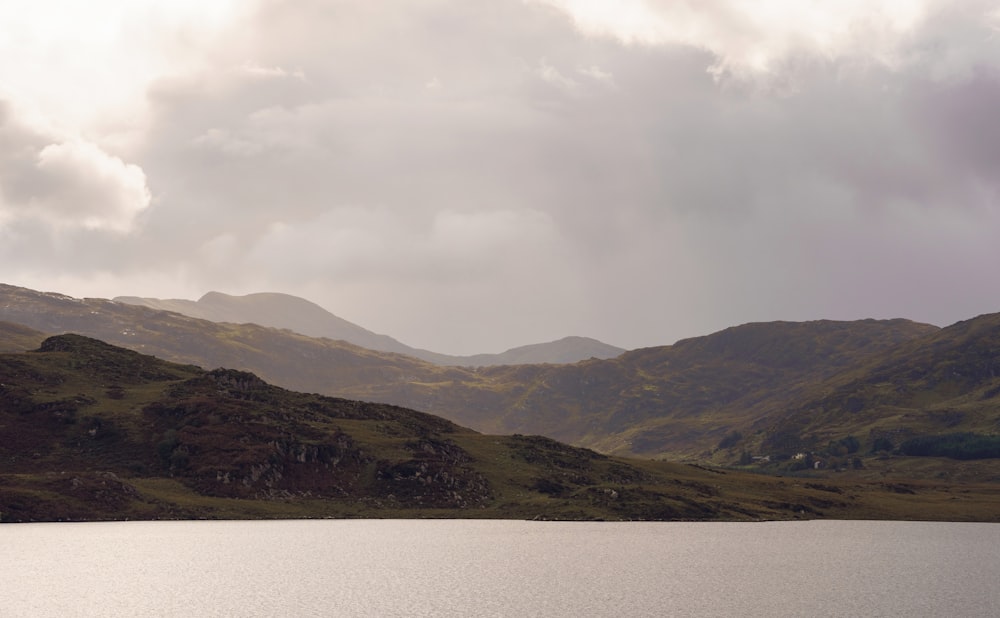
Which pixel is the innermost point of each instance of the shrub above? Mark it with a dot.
(730, 439)
(882, 444)
(953, 445)
(166, 446)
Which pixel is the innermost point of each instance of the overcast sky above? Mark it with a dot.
(472, 175)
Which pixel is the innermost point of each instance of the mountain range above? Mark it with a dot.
(308, 318)
(90, 431)
(775, 396)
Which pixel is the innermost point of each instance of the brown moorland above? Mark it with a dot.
(90, 431)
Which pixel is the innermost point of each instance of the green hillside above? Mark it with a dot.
(672, 400)
(878, 396)
(678, 400)
(943, 384)
(89, 431)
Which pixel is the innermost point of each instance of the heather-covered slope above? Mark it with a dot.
(835, 391)
(90, 431)
(679, 400)
(289, 359)
(942, 384)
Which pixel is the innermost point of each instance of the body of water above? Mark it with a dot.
(499, 568)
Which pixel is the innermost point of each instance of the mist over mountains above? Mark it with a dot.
(775, 395)
(308, 318)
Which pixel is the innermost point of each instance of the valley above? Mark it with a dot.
(90, 431)
(901, 409)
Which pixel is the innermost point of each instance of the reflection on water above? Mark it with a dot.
(499, 568)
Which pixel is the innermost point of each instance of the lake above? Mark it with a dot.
(499, 568)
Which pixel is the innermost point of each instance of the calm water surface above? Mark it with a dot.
(499, 568)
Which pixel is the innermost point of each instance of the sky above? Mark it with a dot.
(472, 175)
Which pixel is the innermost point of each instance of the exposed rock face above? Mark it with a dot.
(103, 487)
(228, 433)
(437, 476)
(277, 469)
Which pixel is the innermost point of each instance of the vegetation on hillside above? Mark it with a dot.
(18, 338)
(777, 397)
(672, 400)
(924, 391)
(92, 431)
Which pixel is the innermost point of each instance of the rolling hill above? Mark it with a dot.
(944, 383)
(758, 395)
(307, 318)
(90, 431)
(684, 398)
(18, 338)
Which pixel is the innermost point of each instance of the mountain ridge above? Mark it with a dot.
(279, 310)
(761, 392)
(91, 431)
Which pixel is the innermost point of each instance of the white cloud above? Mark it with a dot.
(66, 182)
(85, 66)
(757, 37)
(552, 75)
(272, 72)
(86, 186)
(597, 73)
(225, 142)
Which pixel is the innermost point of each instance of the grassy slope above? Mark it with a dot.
(677, 399)
(90, 431)
(784, 387)
(282, 357)
(18, 338)
(946, 381)
(683, 399)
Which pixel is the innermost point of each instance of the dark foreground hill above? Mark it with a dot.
(308, 318)
(888, 397)
(90, 431)
(678, 400)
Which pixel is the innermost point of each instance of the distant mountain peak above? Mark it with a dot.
(279, 310)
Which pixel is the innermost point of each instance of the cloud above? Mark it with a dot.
(85, 67)
(443, 248)
(66, 182)
(552, 75)
(83, 185)
(673, 197)
(469, 177)
(770, 39)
